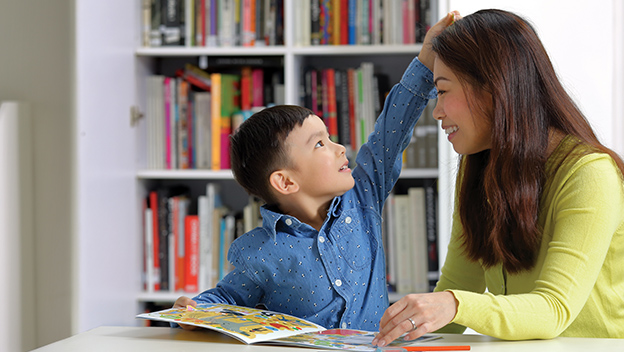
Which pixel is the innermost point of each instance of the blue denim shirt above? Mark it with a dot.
(335, 277)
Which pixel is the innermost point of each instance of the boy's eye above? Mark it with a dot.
(319, 144)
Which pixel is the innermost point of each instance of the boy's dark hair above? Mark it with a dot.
(257, 148)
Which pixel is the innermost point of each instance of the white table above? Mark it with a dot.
(156, 339)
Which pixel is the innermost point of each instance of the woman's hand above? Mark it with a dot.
(182, 302)
(416, 314)
(426, 55)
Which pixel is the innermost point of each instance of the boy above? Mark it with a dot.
(318, 254)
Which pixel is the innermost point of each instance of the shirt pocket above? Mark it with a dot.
(356, 247)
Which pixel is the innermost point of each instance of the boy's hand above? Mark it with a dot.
(182, 302)
(426, 55)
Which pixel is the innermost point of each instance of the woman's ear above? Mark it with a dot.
(283, 183)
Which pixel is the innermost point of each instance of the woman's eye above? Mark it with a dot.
(440, 92)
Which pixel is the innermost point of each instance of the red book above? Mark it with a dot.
(257, 79)
(344, 22)
(179, 281)
(332, 113)
(246, 88)
(153, 201)
(201, 26)
(191, 266)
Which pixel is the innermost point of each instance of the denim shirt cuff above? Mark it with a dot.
(418, 79)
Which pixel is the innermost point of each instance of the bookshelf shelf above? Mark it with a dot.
(184, 51)
(334, 50)
(185, 174)
(227, 174)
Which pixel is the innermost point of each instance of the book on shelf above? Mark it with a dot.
(348, 100)
(252, 325)
(173, 14)
(186, 237)
(212, 23)
(411, 237)
(189, 116)
(431, 213)
(422, 150)
(361, 22)
(191, 259)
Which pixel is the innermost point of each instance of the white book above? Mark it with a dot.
(418, 226)
(387, 36)
(403, 248)
(305, 22)
(376, 16)
(202, 130)
(150, 121)
(173, 123)
(189, 21)
(159, 121)
(226, 28)
(205, 244)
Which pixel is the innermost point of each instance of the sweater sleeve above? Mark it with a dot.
(581, 217)
(458, 272)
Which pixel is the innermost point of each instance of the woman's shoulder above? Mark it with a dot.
(574, 158)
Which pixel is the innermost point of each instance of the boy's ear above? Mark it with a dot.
(283, 183)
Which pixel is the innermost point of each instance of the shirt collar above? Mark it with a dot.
(271, 218)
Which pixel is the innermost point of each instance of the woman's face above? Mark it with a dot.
(468, 129)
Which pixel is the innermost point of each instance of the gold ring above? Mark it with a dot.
(413, 324)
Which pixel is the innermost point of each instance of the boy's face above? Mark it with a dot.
(319, 165)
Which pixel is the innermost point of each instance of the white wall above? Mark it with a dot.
(579, 36)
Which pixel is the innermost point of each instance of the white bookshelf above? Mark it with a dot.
(390, 59)
(111, 158)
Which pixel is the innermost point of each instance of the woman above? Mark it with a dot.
(539, 213)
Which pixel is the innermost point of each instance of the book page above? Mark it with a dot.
(344, 339)
(246, 324)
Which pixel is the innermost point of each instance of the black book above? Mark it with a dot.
(163, 194)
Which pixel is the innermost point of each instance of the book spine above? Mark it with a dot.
(163, 247)
(172, 22)
(192, 253)
(332, 117)
(352, 23)
(155, 239)
(432, 234)
(167, 91)
(246, 91)
(257, 82)
(315, 24)
(148, 245)
(216, 121)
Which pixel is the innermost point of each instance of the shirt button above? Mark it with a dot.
(344, 325)
(321, 239)
(288, 222)
(348, 220)
(338, 283)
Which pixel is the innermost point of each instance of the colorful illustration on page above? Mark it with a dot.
(343, 339)
(247, 324)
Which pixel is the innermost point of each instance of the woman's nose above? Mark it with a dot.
(438, 113)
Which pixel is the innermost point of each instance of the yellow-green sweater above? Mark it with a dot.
(577, 286)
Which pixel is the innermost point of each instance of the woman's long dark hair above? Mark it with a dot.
(499, 53)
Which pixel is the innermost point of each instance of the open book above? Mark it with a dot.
(251, 325)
